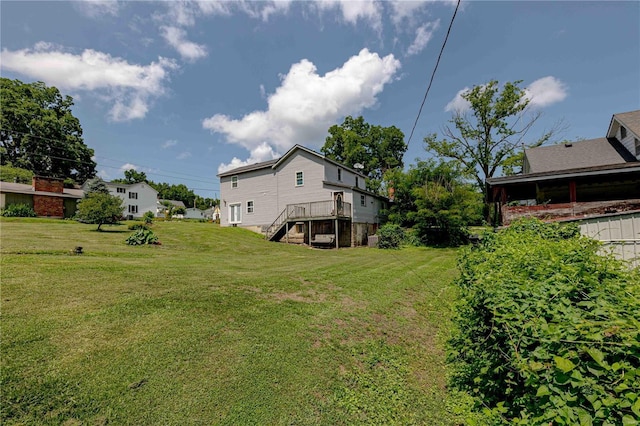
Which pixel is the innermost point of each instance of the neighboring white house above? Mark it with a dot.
(298, 196)
(138, 198)
(161, 209)
(212, 213)
(193, 213)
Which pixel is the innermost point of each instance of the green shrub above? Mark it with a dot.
(390, 236)
(18, 210)
(148, 218)
(546, 330)
(142, 237)
(9, 173)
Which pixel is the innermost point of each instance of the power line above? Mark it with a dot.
(433, 74)
(198, 178)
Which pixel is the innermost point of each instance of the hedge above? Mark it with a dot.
(546, 330)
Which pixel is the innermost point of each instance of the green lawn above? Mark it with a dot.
(218, 326)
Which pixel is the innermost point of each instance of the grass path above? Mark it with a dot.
(218, 326)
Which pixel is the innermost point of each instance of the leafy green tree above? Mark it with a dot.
(489, 139)
(132, 176)
(38, 132)
(435, 200)
(376, 148)
(15, 174)
(96, 184)
(99, 208)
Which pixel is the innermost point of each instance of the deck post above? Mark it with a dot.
(287, 230)
(337, 239)
(309, 233)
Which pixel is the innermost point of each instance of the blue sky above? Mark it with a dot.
(183, 90)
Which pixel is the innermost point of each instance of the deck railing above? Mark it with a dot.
(313, 210)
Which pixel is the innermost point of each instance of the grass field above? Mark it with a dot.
(218, 326)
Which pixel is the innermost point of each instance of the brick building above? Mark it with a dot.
(47, 196)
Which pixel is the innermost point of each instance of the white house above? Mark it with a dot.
(138, 198)
(299, 196)
(161, 209)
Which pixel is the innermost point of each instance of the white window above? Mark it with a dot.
(133, 195)
(249, 206)
(235, 213)
(299, 178)
(363, 200)
(623, 132)
(339, 174)
(133, 209)
(234, 181)
(120, 190)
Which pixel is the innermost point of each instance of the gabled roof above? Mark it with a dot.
(129, 185)
(275, 163)
(630, 120)
(577, 155)
(250, 167)
(174, 202)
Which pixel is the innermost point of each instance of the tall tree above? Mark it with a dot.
(38, 132)
(376, 148)
(436, 201)
(489, 139)
(98, 206)
(132, 176)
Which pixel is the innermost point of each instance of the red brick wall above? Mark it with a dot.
(48, 206)
(48, 184)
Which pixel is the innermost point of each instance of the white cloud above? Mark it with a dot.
(183, 155)
(169, 143)
(354, 10)
(306, 104)
(176, 37)
(458, 103)
(103, 174)
(131, 88)
(97, 8)
(546, 91)
(128, 166)
(262, 152)
(402, 10)
(423, 36)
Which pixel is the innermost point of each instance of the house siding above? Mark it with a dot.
(312, 190)
(258, 186)
(629, 142)
(147, 200)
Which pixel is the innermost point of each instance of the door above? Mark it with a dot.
(235, 213)
(337, 197)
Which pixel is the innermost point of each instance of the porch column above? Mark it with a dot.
(572, 191)
(337, 239)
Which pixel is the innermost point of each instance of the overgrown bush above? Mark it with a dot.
(18, 210)
(148, 218)
(390, 236)
(546, 330)
(142, 237)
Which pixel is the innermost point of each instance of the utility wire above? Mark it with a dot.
(199, 178)
(433, 74)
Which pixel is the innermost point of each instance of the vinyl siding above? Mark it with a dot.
(147, 200)
(629, 141)
(257, 186)
(312, 190)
